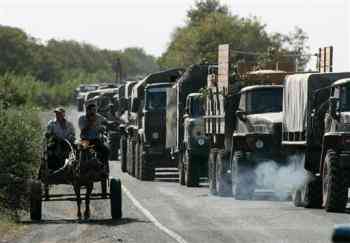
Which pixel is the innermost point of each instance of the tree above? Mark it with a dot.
(203, 8)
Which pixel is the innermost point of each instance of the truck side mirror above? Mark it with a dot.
(333, 103)
(242, 115)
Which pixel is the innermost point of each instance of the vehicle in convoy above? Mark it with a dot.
(185, 125)
(147, 132)
(316, 130)
(243, 121)
(124, 97)
(81, 92)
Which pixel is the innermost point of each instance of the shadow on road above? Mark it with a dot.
(105, 222)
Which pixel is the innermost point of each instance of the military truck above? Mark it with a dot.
(124, 97)
(185, 126)
(81, 92)
(243, 121)
(147, 135)
(316, 131)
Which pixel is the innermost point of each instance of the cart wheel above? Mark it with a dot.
(104, 188)
(116, 198)
(35, 200)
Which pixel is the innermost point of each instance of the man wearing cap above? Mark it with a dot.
(57, 132)
(91, 124)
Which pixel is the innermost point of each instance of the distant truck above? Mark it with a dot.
(316, 131)
(243, 120)
(124, 111)
(185, 125)
(147, 134)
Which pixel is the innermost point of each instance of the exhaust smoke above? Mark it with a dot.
(282, 179)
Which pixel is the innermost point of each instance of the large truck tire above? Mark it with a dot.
(123, 153)
(223, 174)
(212, 171)
(335, 189)
(35, 200)
(129, 156)
(311, 193)
(243, 177)
(192, 169)
(116, 198)
(133, 157)
(114, 141)
(181, 169)
(137, 160)
(147, 172)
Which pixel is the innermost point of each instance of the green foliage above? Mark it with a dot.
(20, 133)
(22, 54)
(210, 24)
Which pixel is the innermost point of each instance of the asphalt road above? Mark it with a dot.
(167, 212)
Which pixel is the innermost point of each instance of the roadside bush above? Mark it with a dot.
(20, 133)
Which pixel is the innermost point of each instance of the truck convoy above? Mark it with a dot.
(316, 129)
(146, 134)
(222, 122)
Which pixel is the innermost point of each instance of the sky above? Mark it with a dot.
(117, 24)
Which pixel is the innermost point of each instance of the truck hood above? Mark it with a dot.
(273, 117)
(264, 122)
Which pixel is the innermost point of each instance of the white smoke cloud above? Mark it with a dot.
(282, 179)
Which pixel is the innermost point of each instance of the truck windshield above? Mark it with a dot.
(156, 100)
(265, 101)
(345, 98)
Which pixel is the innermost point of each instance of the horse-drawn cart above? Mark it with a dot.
(79, 166)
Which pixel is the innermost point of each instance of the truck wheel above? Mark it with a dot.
(297, 199)
(192, 170)
(147, 172)
(123, 153)
(243, 177)
(116, 198)
(129, 156)
(335, 189)
(212, 171)
(137, 160)
(223, 175)
(311, 193)
(133, 157)
(104, 188)
(114, 149)
(181, 169)
(35, 200)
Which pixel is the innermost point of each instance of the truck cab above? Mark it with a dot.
(196, 143)
(259, 120)
(335, 166)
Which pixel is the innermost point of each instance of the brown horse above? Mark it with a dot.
(85, 168)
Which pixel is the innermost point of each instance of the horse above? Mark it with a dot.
(85, 168)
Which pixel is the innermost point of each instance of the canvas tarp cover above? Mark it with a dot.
(191, 81)
(171, 117)
(297, 97)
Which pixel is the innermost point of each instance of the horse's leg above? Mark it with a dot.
(89, 188)
(76, 187)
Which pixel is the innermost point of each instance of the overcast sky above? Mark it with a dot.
(116, 24)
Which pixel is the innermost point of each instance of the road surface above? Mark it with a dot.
(167, 212)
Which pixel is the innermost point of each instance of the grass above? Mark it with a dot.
(9, 228)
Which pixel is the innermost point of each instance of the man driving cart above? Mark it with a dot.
(57, 132)
(92, 126)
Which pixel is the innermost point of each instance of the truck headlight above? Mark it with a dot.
(201, 141)
(155, 135)
(259, 144)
